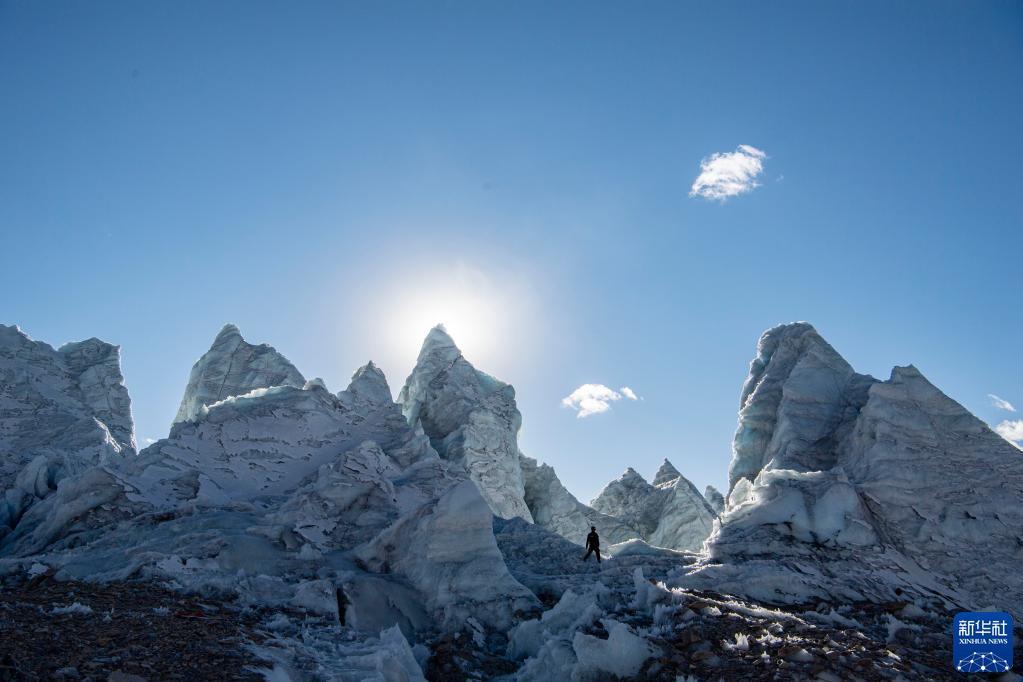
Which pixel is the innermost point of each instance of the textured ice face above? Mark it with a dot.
(447, 551)
(942, 485)
(96, 368)
(344, 503)
(267, 441)
(889, 479)
(369, 386)
(61, 411)
(666, 473)
(671, 514)
(557, 510)
(234, 367)
(714, 498)
(471, 419)
(632, 499)
(799, 396)
(685, 517)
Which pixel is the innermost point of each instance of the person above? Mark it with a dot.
(592, 544)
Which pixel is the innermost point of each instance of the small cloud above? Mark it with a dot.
(1000, 403)
(590, 399)
(150, 441)
(728, 174)
(1011, 430)
(629, 393)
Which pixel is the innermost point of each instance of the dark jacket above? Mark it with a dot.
(592, 540)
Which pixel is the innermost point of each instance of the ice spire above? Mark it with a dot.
(666, 473)
(234, 367)
(370, 384)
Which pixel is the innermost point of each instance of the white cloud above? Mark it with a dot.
(150, 441)
(728, 174)
(629, 393)
(1000, 403)
(1011, 430)
(590, 399)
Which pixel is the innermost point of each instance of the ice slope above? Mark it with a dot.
(61, 412)
(234, 367)
(845, 487)
(685, 517)
(940, 486)
(672, 514)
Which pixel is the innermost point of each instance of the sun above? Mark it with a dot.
(485, 314)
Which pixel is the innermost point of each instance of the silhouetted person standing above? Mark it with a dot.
(592, 544)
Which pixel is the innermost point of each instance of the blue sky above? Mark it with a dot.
(336, 177)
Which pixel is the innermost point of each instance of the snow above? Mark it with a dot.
(573, 611)
(623, 653)
(76, 608)
(741, 642)
(637, 547)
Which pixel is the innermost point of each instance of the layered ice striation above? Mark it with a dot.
(843, 486)
(670, 513)
(234, 367)
(471, 419)
(61, 412)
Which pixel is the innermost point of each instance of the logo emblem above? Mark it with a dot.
(982, 642)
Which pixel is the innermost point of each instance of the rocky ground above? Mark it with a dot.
(83, 631)
(142, 631)
(714, 637)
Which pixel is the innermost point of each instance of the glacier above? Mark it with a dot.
(471, 418)
(890, 484)
(62, 412)
(412, 539)
(669, 513)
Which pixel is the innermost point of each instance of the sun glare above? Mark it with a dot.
(480, 315)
